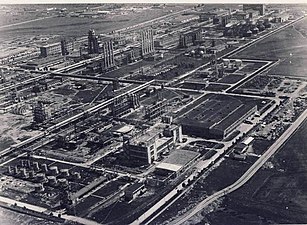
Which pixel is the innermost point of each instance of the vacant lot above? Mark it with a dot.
(276, 194)
(289, 46)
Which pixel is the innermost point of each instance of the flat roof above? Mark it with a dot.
(181, 157)
(168, 166)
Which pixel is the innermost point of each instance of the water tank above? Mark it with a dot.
(77, 175)
(54, 170)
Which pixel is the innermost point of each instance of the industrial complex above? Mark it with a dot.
(127, 119)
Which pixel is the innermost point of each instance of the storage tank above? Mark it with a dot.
(54, 170)
(77, 175)
(255, 30)
(64, 172)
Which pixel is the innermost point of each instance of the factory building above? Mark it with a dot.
(216, 117)
(58, 48)
(39, 113)
(257, 7)
(134, 190)
(147, 42)
(148, 145)
(123, 105)
(189, 38)
(177, 162)
(108, 55)
(93, 45)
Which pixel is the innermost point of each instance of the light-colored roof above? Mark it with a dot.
(168, 166)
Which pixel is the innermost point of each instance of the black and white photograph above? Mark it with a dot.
(133, 112)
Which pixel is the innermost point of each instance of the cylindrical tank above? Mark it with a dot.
(39, 188)
(54, 170)
(36, 166)
(52, 180)
(45, 168)
(64, 172)
(77, 175)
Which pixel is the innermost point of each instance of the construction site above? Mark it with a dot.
(136, 120)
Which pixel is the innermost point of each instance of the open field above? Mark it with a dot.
(289, 46)
(276, 194)
(225, 174)
(75, 27)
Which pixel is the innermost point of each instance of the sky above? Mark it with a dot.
(151, 1)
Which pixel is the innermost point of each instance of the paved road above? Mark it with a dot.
(248, 174)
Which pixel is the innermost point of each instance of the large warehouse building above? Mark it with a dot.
(216, 116)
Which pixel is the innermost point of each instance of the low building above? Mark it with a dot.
(134, 190)
(147, 146)
(216, 116)
(176, 163)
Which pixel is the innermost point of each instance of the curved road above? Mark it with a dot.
(248, 174)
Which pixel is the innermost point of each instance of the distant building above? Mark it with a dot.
(189, 38)
(56, 48)
(147, 146)
(258, 7)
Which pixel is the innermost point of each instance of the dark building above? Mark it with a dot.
(93, 46)
(257, 7)
(108, 55)
(39, 113)
(189, 38)
(216, 117)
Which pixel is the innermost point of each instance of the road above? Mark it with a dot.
(248, 174)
